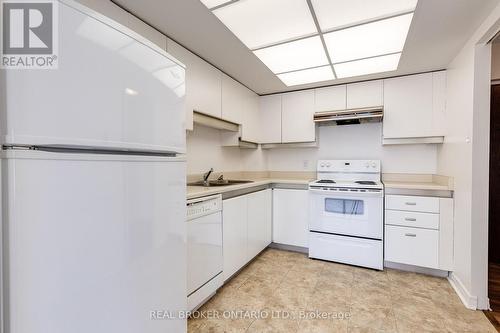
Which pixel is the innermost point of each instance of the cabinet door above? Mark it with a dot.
(206, 88)
(232, 100)
(187, 58)
(439, 103)
(234, 234)
(290, 217)
(250, 129)
(203, 84)
(270, 119)
(297, 117)
(365, 94)
(330, 98)
(259, 222)
(408, 106)
(412, 246)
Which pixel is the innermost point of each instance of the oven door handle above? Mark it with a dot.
(342, 194)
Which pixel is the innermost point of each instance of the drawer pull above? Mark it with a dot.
(410, 235)
(411, 203)
(410, 219)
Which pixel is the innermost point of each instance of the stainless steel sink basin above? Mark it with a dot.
(224, 182)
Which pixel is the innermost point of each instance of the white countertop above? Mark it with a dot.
(200, 191)
(404, 182)
(412, 185)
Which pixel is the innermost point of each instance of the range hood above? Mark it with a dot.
(350, 116)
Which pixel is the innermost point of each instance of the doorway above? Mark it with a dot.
(494, 208)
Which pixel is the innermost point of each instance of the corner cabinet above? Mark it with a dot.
(414, 108)
(291, 217)
(270, 118)
(246, 229)
(297, 113)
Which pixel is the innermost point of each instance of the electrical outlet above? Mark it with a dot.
(305, 164)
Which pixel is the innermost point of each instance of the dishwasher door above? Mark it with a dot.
(204, 250)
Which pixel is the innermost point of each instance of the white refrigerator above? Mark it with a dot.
(93, 185)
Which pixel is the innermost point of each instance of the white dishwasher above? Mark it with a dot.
(204, 252)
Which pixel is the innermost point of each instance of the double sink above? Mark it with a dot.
(219, 182)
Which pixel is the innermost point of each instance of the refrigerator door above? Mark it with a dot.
(112, 89)
(93, 243)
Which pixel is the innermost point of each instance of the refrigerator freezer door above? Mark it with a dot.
(110, 90)
(94, 243)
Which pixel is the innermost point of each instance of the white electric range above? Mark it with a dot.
(346, 213)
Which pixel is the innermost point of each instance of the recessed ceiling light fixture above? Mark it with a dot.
(306, 41)
(305, 76)
(291, 56)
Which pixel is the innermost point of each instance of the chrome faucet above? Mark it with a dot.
(206, 175)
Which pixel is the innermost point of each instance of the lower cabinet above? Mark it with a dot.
(247, 221)
(234, 234)
(290, 217)
(419, 231)
(259, 222)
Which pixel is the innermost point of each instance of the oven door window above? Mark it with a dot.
(344, 206)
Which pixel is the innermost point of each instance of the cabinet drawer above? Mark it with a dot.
(412, 203)
(412, 219)
(412, 246)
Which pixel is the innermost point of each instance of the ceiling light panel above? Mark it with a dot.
(303, 53)
(368, 66)
(368, 40)
(214, 3)
(307, 76)
(334, 14)
(259, 23)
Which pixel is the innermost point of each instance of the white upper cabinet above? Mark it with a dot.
(233, 95)
(439, 102)
(365, 94)
(297, 117)
(250, 129)
(203, 84)
(330, 98)
(413, 106)
(206, 88)
(270, 119)
(240, 105)
(186, 58)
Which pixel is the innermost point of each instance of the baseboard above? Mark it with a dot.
(292, 248)
(416, 269)
(469, 301)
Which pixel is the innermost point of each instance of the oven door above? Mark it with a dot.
(347, 213)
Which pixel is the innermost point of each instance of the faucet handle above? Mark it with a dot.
(221, 177)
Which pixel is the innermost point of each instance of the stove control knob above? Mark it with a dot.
(328, 165)
(322, 165)
(367, 165)
(374, 165)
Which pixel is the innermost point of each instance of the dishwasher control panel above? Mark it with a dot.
(203, 206)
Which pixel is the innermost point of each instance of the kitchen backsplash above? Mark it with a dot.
(335, 142)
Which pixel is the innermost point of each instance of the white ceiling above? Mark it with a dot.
(439, 29)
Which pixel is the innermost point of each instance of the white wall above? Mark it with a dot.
(204, 151)
(464, 155)
(362, 141)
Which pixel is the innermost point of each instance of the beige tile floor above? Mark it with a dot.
(288, 292)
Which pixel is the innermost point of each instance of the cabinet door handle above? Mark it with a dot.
(411, 203)
(410, 219)
(411, 235)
